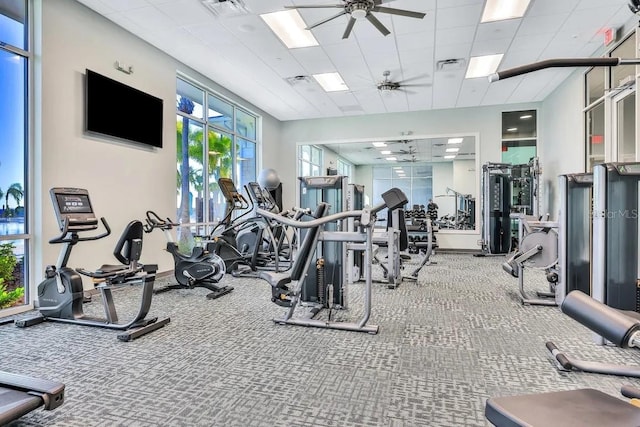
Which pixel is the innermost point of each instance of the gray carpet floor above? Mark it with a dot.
(446, 343)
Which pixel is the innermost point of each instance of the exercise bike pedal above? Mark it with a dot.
(219, 292)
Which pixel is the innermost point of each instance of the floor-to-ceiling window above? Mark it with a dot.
(229, 150)
(14, 140)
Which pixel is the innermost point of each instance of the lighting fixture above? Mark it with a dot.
(455, 140)
(331, 82)
(512, 129)
(398, 167)
(452, 150)
(392, 159)
(379, 144)
(450, 157)
(385, 152)
(290, 28)
(498, 10)
(482, 66)
(526, 116)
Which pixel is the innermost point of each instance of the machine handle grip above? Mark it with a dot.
(63, 237)
(153, 221)
(554, 63)
(630, 391)
(560, 357)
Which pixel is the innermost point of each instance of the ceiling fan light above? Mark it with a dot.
(359, 13)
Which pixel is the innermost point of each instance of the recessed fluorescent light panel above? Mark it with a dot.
(392, 159)
(498, 10)
(512, 130)
(385, 152)
(379, 144)
(449, 157)
(290, 28)
(482, 66)
(526, 116)
(452, 150)
(455, 140)
(331, 82)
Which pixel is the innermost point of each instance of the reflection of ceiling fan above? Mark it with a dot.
(412, 159)
(388, 85)
(358, 9)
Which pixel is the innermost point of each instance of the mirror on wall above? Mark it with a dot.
(440, 169)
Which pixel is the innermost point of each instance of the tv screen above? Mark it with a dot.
(117, 110)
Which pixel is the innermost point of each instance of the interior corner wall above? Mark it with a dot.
(124, 180)
(561, 147)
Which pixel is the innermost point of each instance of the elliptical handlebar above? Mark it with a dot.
(74, 229)
(154, 221)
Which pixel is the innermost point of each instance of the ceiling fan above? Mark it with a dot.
(358, 9)
(388, 85)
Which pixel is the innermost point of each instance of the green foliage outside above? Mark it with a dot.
(190, 147)
(8, 263)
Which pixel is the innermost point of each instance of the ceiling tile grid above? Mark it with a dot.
(451, 29)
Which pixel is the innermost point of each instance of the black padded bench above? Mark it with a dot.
(20, 395)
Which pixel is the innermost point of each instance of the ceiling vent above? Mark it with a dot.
(453, 64)
(298, 80)
(226, 8)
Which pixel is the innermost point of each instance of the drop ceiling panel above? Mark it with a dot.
(415, 41)
(395, 101)
(150, 19)
(499, 92)
(472, 92)
(126, 5)
(531, 85)
(186, 12)
(451, 29)
(551, 7)
(535, 25)
(454, 17)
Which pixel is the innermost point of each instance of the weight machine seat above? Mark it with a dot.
(307, 248)
(20, 395)
(573, 408)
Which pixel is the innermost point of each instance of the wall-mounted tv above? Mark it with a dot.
(120, 111)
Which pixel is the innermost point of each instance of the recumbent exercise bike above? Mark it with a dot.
(61, 294)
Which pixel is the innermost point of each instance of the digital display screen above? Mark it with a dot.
(73, 203)
(256, 192)
(227, 187)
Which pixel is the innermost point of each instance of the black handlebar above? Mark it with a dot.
(74, 229)
(154, 221)
(556, 63)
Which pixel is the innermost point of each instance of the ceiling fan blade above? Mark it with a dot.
(402, 85)
(419, 76)
(350, 25)
(326, 20)
(401, 12)
(316, 6)
(377, 24)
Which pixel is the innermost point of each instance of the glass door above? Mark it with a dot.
(623, 123)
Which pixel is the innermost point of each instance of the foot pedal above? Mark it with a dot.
(220, 292)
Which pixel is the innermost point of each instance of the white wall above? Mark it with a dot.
(124, 180)
(561, 146)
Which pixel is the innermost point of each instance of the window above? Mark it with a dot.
(416, 181)
(519, 136)
(344, 168)
(228, 151)
(309, 160)
(15, 122)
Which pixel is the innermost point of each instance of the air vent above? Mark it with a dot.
(226, 8)
(452, 64)
(298, 80)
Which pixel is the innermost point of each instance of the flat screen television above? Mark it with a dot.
(120, 111)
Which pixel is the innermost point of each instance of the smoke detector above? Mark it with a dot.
(226, 8)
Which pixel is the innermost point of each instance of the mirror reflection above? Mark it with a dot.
(438, 174)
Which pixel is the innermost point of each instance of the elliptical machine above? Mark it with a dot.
(200, 269)
(61, 294)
